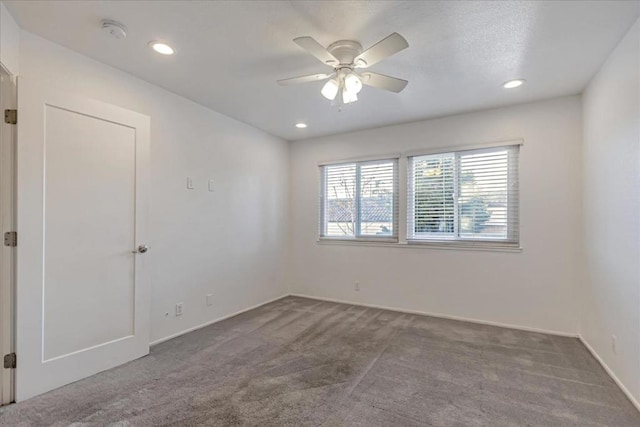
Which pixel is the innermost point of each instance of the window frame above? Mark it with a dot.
(454, 240)
(357, 235)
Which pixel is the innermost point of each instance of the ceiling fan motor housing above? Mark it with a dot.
(345, 51)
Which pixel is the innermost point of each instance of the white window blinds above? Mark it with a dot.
(466, 195)
(359, 200)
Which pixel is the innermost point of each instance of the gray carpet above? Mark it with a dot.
(301, 362)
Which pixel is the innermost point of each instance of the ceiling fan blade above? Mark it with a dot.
(304, 79)
(383, 82)
(316, 49)
(384, 48)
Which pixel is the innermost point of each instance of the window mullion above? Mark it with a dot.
(357, 228)
(399, 213)
(323, 201)
(456, 194)
(512, 195)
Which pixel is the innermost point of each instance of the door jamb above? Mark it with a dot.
(7, 223)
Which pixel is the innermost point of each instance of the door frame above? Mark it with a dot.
(8, 139)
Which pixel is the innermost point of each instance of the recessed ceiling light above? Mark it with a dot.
(512, 84)
(161, 48)
(301, 125)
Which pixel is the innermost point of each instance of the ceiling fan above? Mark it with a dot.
(346, 56)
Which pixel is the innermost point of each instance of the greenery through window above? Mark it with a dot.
(465, 195)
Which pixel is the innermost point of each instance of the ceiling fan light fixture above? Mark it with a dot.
(330, 89)
(353, 83)
(349, 96)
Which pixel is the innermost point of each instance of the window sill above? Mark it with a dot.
(423, 245)
(360, 240)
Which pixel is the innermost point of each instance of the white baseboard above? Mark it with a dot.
(442, 316)
(613, 376)
(211, 322)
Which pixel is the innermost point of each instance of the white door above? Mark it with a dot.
(7, 223)
(82, 289)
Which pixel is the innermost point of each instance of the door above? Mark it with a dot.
(82, 284)
(7, 224)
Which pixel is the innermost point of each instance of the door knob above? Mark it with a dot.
(141, 249)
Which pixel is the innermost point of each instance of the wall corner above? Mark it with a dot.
(9, 41)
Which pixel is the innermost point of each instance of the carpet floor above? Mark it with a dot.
(302, 362)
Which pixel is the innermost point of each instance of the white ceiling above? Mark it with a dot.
(229, 54)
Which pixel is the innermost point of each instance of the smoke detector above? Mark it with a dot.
(114, 29)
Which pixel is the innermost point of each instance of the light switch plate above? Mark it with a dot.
(211, 186)
(189, 183)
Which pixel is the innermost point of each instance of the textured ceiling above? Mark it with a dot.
(229, 54)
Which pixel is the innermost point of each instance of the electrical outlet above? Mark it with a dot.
(179, 309)
(614, 343)
(209, 299)
(356, 286)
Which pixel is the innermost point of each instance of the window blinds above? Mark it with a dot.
(466, 195)
(360, 200)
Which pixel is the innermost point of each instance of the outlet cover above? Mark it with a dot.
(209, 299)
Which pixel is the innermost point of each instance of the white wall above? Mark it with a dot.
(611, 297)
(232, 242)
(533, 288)
(9, 41)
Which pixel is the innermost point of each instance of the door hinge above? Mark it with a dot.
(11, 117)
(11, 238)
(10, 361)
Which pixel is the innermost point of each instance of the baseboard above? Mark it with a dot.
(211, 322)
(442, 316)
(610, 372)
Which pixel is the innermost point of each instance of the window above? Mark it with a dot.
(359, 200)
(464, 196)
